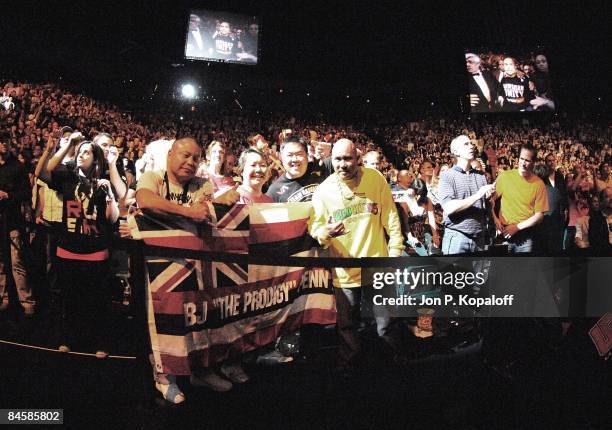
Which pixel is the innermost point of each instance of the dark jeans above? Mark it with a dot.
(44, 248)
(13, 262)
(85, 303)
(348, 305)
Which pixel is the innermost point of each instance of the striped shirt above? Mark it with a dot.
(455, 184)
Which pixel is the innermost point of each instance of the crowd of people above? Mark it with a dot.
(71, 167)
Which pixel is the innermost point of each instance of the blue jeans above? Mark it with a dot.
(455, 242)
(520, 242)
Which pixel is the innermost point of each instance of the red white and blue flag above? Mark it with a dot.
(202, 312)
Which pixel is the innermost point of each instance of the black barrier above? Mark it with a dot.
(326, 262)
(521, 285)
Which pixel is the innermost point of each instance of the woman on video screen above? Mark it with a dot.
(544, 96)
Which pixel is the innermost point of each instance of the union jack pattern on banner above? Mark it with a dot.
(201, 312)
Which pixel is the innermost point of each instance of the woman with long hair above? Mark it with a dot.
(89, 213)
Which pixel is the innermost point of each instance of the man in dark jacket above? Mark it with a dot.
(485, 91)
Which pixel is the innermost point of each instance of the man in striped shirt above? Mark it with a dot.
(463, 192)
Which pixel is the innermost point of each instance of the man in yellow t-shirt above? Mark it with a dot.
(352, 210)
(523, 202)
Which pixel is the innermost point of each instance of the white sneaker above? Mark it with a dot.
(171, 392)
(209, 379)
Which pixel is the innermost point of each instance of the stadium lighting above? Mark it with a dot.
(188, 91)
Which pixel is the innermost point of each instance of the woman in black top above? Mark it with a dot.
(89, 213)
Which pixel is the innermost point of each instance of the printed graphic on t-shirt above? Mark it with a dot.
(224, 45)
(356, 209)
(304, 194)
(81, 215)
(514, 91)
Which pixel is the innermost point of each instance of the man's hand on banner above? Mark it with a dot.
(228, 198)
(198, 211)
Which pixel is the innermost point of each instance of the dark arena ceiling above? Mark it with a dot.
(417, 45)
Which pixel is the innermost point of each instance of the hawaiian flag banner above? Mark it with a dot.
(202, 312)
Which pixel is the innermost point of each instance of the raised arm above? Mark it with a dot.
(114, 176)
(59, 156)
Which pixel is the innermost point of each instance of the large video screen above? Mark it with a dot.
(221, 36)
(508, 81)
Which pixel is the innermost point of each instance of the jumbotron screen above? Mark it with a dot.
(221, 36)
(508, 82)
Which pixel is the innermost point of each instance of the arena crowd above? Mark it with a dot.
(71, 168)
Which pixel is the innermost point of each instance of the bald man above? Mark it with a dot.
(177, 192)
(352, 210)
(463, 193)
(404, 179)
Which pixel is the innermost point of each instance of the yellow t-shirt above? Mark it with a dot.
(520, 197)
(367, 210)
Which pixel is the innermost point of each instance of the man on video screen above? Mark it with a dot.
(485, 91)
(198, 42)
